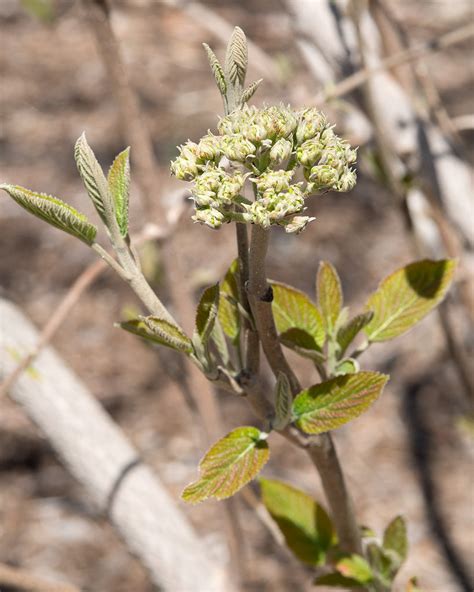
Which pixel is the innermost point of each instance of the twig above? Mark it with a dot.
(403, 57)
(19, 579)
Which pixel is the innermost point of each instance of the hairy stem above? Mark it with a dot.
(321, 448)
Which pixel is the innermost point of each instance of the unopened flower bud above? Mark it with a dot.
(297, 224)
(280, 151)
(347, 180)
(323, 176)
(230, 187)
(237, 147)
(209, 147)
(209, 216)
(310, 123)
(309, 152)
(274, 180)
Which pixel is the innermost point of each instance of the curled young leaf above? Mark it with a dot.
(349, 331)
(330, 404)
(236, 59)
(119, 182)
(395, 538)
(406, 296)
(93, 177)
(250, 91)
(329, 293)
(292, 309)
(216, 70)
(283, 401)
(54, 211)
(159, 331)
(229, 295)
(356, 568)
(302, 343)
(347, 366)
(230, 464)
(206, 313)
(307, 528)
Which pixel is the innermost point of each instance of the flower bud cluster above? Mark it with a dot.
(267, 145)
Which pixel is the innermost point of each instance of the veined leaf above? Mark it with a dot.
(216, 70)
(348, 332)
(283, 401)
(230, 464)
(54, 211)
(292, 309)
(250, 91)
(337, 580)
(395, 538)
(330, 404)
(119, 182)
(329, 294)
(406, 296)
(92, 176)
(302, 343)
(355, 567)
(160, 332)
(236, 59)
(228, 311)
(206, 313)
(307, 528)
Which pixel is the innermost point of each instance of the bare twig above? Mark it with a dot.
(403, 57)
(18, 579)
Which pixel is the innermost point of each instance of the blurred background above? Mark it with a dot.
(411, 454)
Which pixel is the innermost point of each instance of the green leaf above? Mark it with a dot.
(92, 176)
(348, 332)
(330, 404)
(395, 538)
(216, 70)
(381, 563)
(347, 366)
(283, 401)
(355, 567)
(119, 182)
(250, 91)
(228, 311)
(230, 464)
(302, 343)
(329, 294)
(303, 522)
(337, 580)
(292, 309)
(159, 331)
(236, 59)
(54, 211)
(219, 340)
(406, 296)
(206, 313)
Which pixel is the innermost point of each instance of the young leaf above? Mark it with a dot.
(250, 91)
(206, 313)
(303, 344)
(160, 332)
(119, 181)
(348, 332)
(219, 340)
(337, 580)
(236, 58)
(230, 464)
(330, 404)
(382, 564)
(292, 309)
(283, 401)
(54, 211)
(395, 538)
(347, 366)
(216, 70)
(406, 296)
(329, 293)
(304, 523)
(92, 176)
(228, 310)
(355, 567)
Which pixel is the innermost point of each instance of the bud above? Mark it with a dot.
(280, 151)
(347, 180)
(323, 176)
(209, 216)
(237, 147)
(310, 123)
(230, 187)
(274, 180)
(297, 224)
(309, 152)
(209, 147)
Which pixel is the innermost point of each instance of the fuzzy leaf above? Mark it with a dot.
(330, 404)
(250, 91)
(206, 313)
(119, 182)
(395, 538)
(292, 309)
(406, 296)
(283, 401)
(54, 211)
(236, 59)
(160, 332)
(337, 580)
(302, 343)
(348, 332)
(347, 366)
(355, 567)
(228, 311)
(230, 464)
(216, 69)
(303, 522)
(328, 286)
(92, 176)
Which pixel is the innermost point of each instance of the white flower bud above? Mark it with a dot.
(209, 216)
(209, 147)
(237, 147)
(297, 224)
(310, 123)
(274, 180)
(280, 151)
